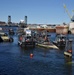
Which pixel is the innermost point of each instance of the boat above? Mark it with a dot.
(28, 42)
(42, 40)
(60, 40)
(11, 32)
(25, 39)
(48, 46)
(68, 51)
(5, 38)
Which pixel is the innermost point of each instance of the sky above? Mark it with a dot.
(37, 11)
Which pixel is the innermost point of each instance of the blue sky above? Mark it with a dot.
(37, 11)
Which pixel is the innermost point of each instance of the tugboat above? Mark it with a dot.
(68, 51)
(25, 39)
(11, 32)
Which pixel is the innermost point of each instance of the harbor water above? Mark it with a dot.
(17, 61)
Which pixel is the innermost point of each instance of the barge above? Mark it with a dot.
(51, 30)
(48, 28)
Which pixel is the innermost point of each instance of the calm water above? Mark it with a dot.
(17, 61)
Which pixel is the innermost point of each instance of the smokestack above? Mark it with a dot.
(25, 20)
(9, 19)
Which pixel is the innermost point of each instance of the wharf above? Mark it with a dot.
(47, 29)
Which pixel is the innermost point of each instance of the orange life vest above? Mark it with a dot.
(21, 38)
(70, 51)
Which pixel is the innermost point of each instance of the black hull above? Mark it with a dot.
(60, 45)
(1, 39)
(27, 44)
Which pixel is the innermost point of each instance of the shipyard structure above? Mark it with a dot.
(8, 23)
(58, 28)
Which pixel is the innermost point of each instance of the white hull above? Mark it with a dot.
(72, 31)
(48, 46)
(67, 54)
(71, 27)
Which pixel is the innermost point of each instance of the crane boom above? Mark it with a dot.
(67, 11)
(73, 12)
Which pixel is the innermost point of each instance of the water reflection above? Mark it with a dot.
(42, 51)
(26, 51)
(68, 59)
(68, 66)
